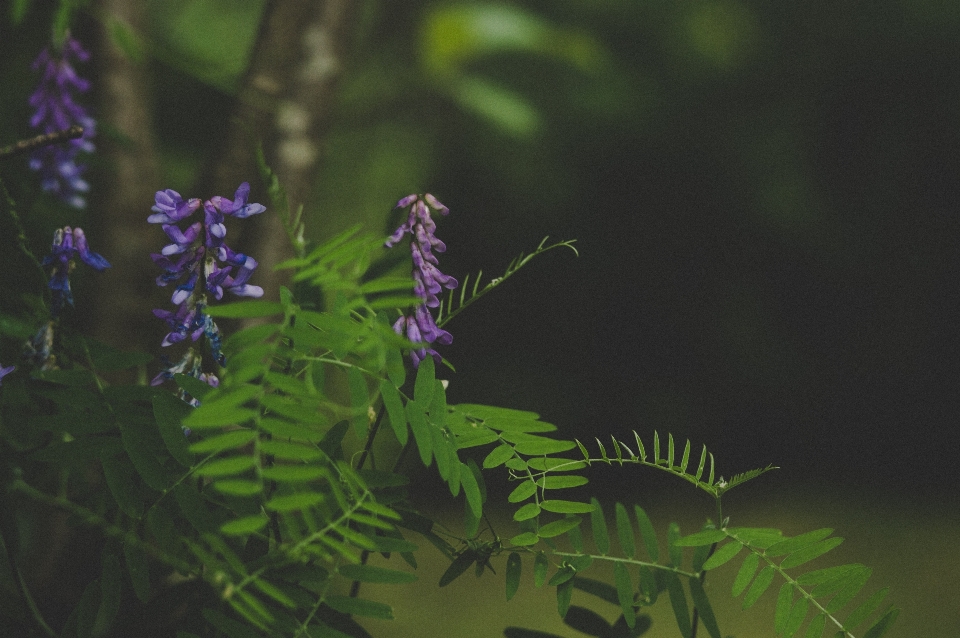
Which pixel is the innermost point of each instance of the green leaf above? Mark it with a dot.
(561, 482)
(797, 613)
(566, 507)
(212, 416)
(292, 473)
(498, 456)
(245, 309)
(540, 567)
(396, 370)
(851, 586)
(424, 386)
(137, 567)
(274, 592)
(238, 487)
(360, 607)
(244, 526)
(359, 401)
(564, 593)
(471, 490)
(524, 539)
(866, 608)
(522, 492)
(598, 524)
(526, 512)
(797, 542)
(226, 467)
(394, 407)
(421, 431)
(514, 566)
(555, 464)
(537, 445)
(291, 502)
(883, 624)
(624, 592)
(143, 446)
(110, 594)
(625, 531)
(810, 552)
(291, 450)
(372, 574)
(702, 603)
(558, 527)
(704, 537)
(760, 584)
(169, 412)
(193, 507)
(745, 575)
(221, 442)
(816, 626)
(784, 601)
(460, 564)
(647, 533)
(723, 554)
(675, 552)
(119, 475)
(678, 602)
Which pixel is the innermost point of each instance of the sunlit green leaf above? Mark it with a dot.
(621, 578)
(810, 552)
(723, 554)
(221, 442)
(647, 533)
(558, 527)
(601, 537)
(746, 572)
(759, 586)
(523, 491)
(498, 456)
(566, 507)
(394, 407)
(797, 542)
(244, 526)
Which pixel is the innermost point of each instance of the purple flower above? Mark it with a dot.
(5, 371)
(189, 365)
(68, 243)
(428, 281)
(56, 110)
(204, 265)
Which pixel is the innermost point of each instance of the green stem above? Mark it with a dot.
(630, 561)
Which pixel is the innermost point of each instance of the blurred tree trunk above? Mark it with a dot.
(126, 291)
(286, 102)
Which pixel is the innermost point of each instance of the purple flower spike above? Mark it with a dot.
(68, 243)
(5, 371)
(204, 265)
(428, 281)
(56, 110)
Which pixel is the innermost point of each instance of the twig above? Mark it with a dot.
(48, 139)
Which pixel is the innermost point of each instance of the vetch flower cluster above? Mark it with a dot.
(56, 110)
(428, 281)
(68, 244)
(204, 265)
(5, 371)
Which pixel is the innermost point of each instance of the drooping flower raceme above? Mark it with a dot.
(56, 110)
(420, 326)
(68, 244)
(204, 266)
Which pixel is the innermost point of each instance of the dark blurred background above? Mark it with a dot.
(763, 195)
